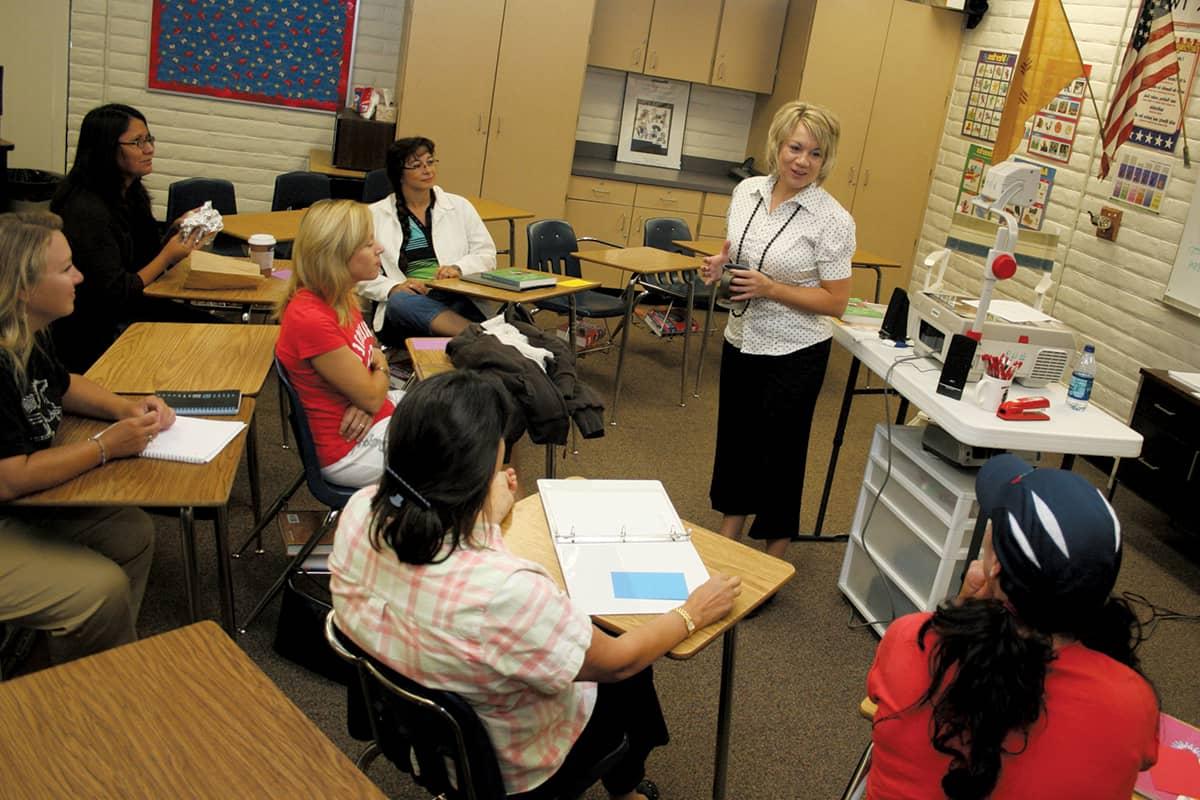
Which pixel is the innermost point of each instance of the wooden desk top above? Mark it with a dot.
(429, 356)
(491, 211)
(152, 356)
(169, 285)
(321, 160)
(861, 258)
(564, 287)
(642, 260)
(528, 536)
(183, 714)
(283, 225)
(145, 481)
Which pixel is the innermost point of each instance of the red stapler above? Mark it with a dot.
(1020, 410)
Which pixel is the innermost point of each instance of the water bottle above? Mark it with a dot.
(1080, 390)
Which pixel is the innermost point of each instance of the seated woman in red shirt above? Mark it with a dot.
(1029, 686)
(328, 350)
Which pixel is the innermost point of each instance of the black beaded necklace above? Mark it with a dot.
(763, 259)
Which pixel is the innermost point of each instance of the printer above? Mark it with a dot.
(1043, 347)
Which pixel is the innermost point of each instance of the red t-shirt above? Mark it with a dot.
(309, 328)
(1100, 727)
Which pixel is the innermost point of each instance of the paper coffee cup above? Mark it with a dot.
(262, 251)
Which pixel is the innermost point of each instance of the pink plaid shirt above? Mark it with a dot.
(483, 623)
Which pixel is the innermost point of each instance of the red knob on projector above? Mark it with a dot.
(1004, 266)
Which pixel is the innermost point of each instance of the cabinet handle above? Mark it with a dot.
(621, 225)
(654, 60)
(721, 71)
(479, 122)
(498, 121)
(1147, 464)
(850, 178)
(637, 57)
(598, 190)
(1166, 411)
(866, 177)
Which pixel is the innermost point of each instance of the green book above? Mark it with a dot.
(513, 278)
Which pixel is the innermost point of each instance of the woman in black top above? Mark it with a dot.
(115, 239)
(76, 573)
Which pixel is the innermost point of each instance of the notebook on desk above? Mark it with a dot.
(217, 403)
(193, 440)
(621, 545)
(512, 278)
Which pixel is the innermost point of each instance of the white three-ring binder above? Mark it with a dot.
(604, 531)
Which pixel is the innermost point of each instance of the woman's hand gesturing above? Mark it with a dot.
(710, 267)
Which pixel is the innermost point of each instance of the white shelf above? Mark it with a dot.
(870, 591)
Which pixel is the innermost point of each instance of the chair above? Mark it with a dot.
(184, 195)
(331, 494)
(551, 242)
(856, 789)
(376, 186)
(296, 190)
(434, 736)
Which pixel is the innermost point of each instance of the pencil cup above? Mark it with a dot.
(261, 248)
(991, 392)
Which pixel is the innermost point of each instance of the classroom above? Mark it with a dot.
(661, 143)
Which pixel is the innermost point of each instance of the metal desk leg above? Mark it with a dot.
(630, 294)
(1068, 461)
(224, 570)
(283, 418)
(687, 340)
(838, 435)
(878, 279)
(572, 321)
(252, 468)
(512, 241)
(712, 304)
(549, 460)
(187, 536)
(724, 710)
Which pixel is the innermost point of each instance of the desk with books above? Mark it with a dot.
(152, 483)
(528, 535)
(182, 714)
(171, 286)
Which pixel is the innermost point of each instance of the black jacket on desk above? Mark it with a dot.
(548, 400)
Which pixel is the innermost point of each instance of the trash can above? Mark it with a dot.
(31, 189)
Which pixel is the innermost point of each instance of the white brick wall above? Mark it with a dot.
(718, 122)
(1109, 293)
(198, 137)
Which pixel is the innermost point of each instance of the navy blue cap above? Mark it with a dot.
(1056, 537)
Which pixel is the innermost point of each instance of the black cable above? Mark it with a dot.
(1155, 613)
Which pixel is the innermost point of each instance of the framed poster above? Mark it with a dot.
(989, 87)
(652, 121)
(294, 53)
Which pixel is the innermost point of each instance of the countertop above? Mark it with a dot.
(656, 176)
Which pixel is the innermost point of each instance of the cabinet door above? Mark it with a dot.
(620, 31)
(843, 79)
(748, 44)
(432, 70)
(915, 81)
(683, 34)
(539, 81)
(607, 221)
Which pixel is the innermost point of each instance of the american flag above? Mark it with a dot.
(1149, 60)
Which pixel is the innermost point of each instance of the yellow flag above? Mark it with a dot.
(1049, 61)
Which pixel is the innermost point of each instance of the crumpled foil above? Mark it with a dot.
(205, 218)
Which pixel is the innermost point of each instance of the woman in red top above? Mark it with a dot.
(1029, 686)
(328, 350)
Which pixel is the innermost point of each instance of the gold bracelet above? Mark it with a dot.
(687, 619)
(103, 451)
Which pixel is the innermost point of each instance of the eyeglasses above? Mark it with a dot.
(428, 164)
(143, 143)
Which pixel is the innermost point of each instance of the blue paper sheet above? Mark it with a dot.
(649, 586)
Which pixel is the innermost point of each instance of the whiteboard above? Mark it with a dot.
(1183, 287)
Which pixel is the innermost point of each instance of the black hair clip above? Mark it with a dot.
(407, 492)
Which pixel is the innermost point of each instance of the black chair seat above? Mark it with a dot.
(590, 304)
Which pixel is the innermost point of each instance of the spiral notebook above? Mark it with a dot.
(193, 440)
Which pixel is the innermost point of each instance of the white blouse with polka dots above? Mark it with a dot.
(817, 244)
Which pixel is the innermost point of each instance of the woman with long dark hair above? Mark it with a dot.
(1029, 685)
(117, 243)
(423, 581)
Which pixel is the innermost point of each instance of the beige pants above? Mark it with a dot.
(77, 573)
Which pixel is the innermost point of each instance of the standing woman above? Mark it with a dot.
(426, 233)
(327, 349)
(792, 244)
(77, 573)
(116, 240)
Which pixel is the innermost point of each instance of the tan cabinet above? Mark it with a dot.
(748, 44)
(683, 34)
(890, 93)
(620, 32)
(514, 74)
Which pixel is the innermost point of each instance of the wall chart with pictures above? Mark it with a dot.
(979, 160)
(1052, 134)
(280, 52)
(989, 87)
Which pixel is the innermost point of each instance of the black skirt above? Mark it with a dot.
(764, 417)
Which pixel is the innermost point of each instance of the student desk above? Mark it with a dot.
(429, 358)
(153, 356)
(762, 575)
(170, 286)
(154, 483)
(639, 261)
(566, 287)
(182, 714)
(283, 225)
(321, 160)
